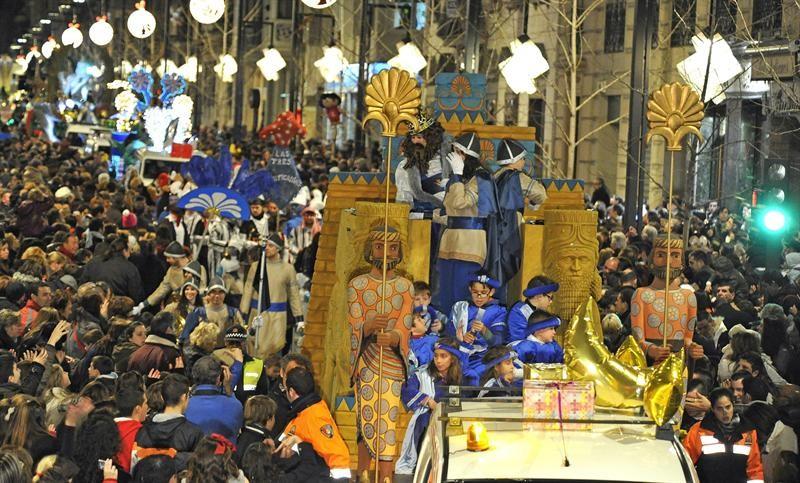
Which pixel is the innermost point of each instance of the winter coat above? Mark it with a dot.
(122, 353)
(213, 411)
(170, 431)
(158, 352)
(119, 273)
(31, 220)
(728, 458)
(84, 322)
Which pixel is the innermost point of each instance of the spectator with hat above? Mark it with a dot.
(177, 258)
(248, 374)
(215, 311)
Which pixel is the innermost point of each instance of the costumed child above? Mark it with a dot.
(500, 370)
(420, 344)
(433, 317)
(478, 323)
(423, 391)
(538, 295)
(541, 345)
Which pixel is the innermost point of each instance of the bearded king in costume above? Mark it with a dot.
(379, 324)
(419, 178)
(647, 306)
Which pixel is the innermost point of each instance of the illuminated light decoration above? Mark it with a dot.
(166, 67)
(141, 23)
(156, 123)
(723, 67)
(72, 36)
(49, 46)
(95, 71)
(524, 66)
(182, 107)
(45, 21)
(124, 68)
(408, 58)
(125, 102)
(33, 54)
(331, 64)
(272, 63)
(118, 84)
(318, 4)
(207, 11)
(101, 32)
(22, 40)
(226, 68)
(189, 70)
(20, 66)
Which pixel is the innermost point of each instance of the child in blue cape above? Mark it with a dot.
(434, 319)
(478, 323)
(538, 295)
(423, 391)
(501, 370)
(541, 345)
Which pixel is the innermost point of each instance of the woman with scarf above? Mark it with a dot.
(189, 300)
(724, 446)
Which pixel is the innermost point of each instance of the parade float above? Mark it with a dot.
(604, 395)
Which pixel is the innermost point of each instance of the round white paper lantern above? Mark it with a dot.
(141, 23)
(207, 11)
(72, 36)
(48, 47)
(101, 32)
(319, 4)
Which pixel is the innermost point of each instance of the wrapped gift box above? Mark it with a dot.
(548, 399)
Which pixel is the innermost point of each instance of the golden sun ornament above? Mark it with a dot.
(674, 111)
(393, 97)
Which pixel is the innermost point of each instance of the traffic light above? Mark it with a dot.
(771, 207)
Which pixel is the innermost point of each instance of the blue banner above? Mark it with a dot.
(284, 171)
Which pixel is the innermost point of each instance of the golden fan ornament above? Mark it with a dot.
(393, 97)
(674, 112)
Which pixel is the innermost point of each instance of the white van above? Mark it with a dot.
(619, 447)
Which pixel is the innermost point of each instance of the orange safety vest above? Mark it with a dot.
(315, 425)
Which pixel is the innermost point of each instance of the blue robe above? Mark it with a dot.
(517, 321)
(420, 351)
(494, 383)
(533, 350)
(493, 316)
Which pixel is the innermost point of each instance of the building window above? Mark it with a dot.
(536, 121)
(615, 26)
(284, 9)
(612, 110)
(684, 16)
(767, 18)
(724, 17)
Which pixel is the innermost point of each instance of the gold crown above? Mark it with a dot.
(424, 122)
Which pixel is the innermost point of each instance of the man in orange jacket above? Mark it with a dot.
(724, 447)
(311, 422)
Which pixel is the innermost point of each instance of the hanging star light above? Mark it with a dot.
(189, 69)
(332, 63)
(207, 11)
(271, 64)
(524, 66)
(226, 68)
(141, 23)
(49, 46)
(408, 58)
(72, 36)
(101, 32)
(723, 67)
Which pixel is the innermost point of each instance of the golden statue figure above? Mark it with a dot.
(570, 258)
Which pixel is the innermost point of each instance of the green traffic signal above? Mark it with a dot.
(774, 220)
